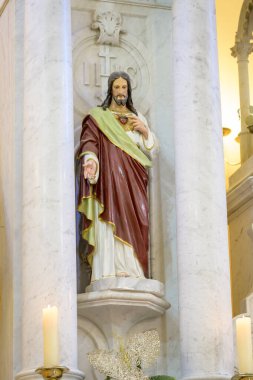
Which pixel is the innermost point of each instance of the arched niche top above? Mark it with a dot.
(245, 25)
(243, 38)
(241, 50)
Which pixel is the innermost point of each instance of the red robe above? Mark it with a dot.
(121, 189)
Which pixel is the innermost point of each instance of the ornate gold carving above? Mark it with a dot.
(53, 373)
(244, 35)
(243, 48)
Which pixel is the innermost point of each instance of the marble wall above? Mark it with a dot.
(142, 46)
(7, 178)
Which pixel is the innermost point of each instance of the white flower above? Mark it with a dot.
(140, 352)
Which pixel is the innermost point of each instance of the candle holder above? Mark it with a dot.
(244, 376)
(51, 373)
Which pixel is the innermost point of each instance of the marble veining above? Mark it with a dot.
(200, 195)
(48, 191)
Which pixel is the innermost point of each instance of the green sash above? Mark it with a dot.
(116, 134)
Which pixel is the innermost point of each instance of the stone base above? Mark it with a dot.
(120, 304)
(143, 285)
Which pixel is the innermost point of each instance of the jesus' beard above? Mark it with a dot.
(120, 101)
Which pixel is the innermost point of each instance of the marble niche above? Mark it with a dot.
(109, 36)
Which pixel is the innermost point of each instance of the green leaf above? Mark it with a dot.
(162, 377)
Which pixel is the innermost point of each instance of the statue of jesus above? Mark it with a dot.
(116, 149)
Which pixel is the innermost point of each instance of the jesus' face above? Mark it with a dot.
(120, 91)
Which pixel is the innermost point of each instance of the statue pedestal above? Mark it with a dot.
(116, 305)
(142, 285)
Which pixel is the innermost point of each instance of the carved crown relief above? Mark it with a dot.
(109, 25)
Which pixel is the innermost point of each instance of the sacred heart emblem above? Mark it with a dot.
(123, 119)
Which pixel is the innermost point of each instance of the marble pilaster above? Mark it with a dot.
(203, 264)
(241, 50)
(8, 197)
(48, 248)
(240, 219)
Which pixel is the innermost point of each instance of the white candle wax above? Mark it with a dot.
(244, 344)
(50, 334)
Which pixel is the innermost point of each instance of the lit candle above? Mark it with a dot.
(244, 344)
(50, 334)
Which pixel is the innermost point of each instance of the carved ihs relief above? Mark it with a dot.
(109, 25)
(97, 54)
